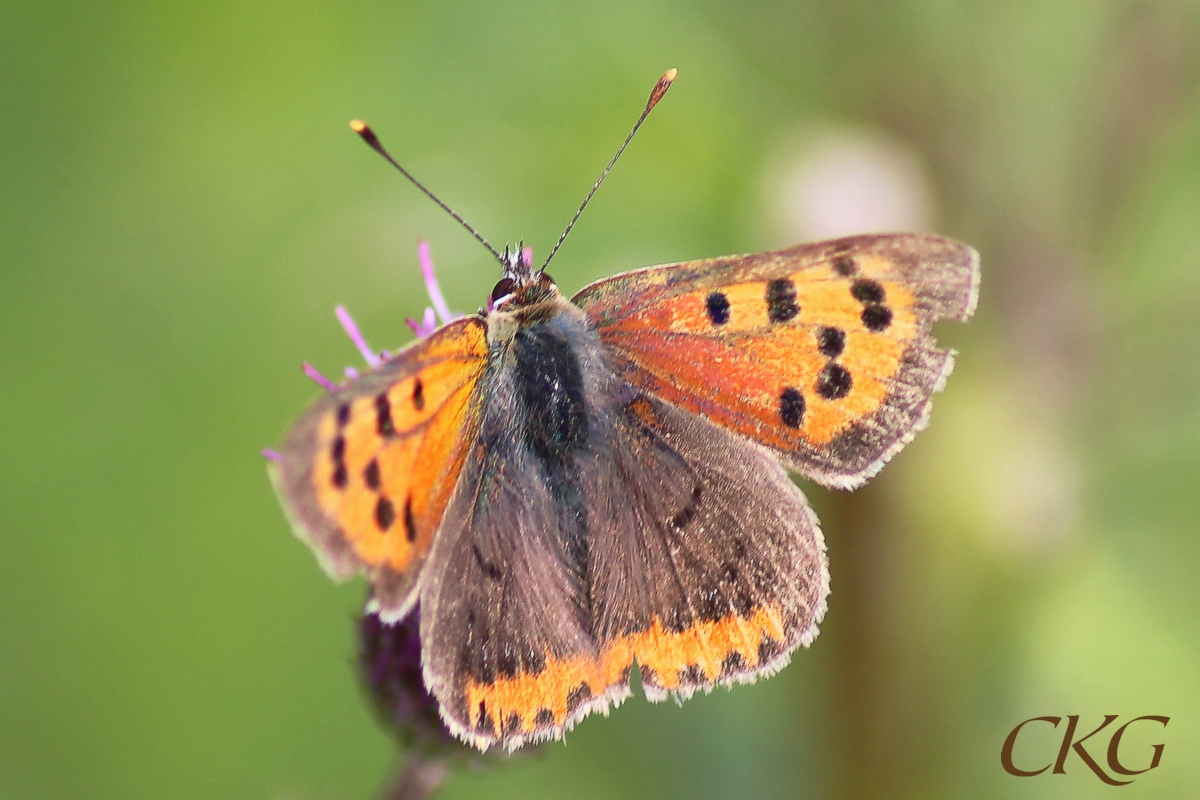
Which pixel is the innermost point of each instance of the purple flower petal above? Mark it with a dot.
(318, 378)
(425, 327)
(272, 455)
(431, 284)
(352, 331)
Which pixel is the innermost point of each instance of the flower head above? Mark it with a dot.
(390, 665)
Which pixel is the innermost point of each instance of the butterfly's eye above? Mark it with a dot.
(503, 289)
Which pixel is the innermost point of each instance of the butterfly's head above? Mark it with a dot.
(520, 285)
(520, 300)
(511, 293)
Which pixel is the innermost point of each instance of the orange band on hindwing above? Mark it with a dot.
(706, 653)
(700, 653)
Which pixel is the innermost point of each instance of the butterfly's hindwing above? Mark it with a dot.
(367, 471)
(822, 352)
(709, 567)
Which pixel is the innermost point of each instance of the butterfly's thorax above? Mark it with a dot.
(559, 362)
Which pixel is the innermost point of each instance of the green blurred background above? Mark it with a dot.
(182, 204)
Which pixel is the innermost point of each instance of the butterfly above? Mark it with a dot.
(567, 488)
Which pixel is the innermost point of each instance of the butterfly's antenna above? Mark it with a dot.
(660, 89)
(368, 136)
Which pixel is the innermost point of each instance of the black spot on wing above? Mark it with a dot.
(337, 453)
(418, 395)
(383, 415)
(844, 265)
(877, 318)
(781, 300)
(710, 604)
(508, 664)
(410, 525)
(578, 695)
(744, 600)
(676, 619)
(831, 342)
(371, 475)
(489, 569)
(717, 306)
(791, 407)
(340, 478)
(834, 382)
(385, 513)
(533, 661)
(483, 720)
(688, 512)
(867, 291)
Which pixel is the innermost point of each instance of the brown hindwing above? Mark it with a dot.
(708, 565)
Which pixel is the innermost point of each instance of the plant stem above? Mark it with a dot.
(419, 779)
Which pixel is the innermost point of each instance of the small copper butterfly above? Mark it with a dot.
(567, 486)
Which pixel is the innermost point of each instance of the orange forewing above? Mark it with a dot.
(728, 337)
(368, 471)
(735, 374)
(415, 466)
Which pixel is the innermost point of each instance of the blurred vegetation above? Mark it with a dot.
(181, 205)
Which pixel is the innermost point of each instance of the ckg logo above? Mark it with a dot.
(1072, 742)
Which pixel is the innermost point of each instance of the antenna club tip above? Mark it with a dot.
(365, 133)
(661, 87)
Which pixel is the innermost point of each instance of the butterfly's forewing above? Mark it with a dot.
(367, 471)
(821, 352)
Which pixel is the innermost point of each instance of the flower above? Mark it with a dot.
(390, 666)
